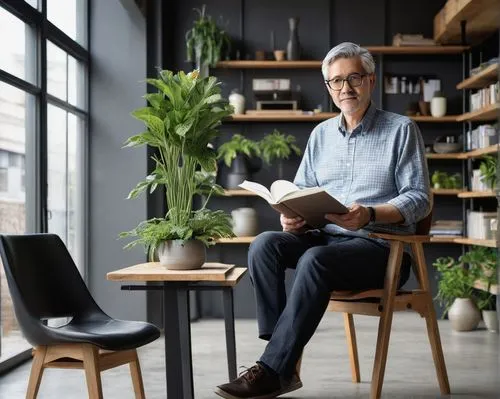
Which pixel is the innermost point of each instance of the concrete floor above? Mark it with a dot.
(472, 359)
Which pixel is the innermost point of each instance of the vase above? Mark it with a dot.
(490, 319)
(182, 255)
(464, 315)
(438, 105)
(244, 222)
(293, 46)
(237, 100)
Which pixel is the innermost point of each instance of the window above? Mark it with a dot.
(70, 17)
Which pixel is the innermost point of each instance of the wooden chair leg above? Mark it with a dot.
(92, 371)
(36, 371)
(384, 333)
(135, 372)
(352, 346)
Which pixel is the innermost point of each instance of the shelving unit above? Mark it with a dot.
(481, 79)
(476, 194)
(476, 241)
(457, 155)
(447, 191)
(239, 193)
(480, 285)
(236, 240)
(481, 115)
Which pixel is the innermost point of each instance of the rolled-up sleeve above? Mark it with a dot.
(411, 176)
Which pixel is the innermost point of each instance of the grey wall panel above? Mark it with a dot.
(118, 51)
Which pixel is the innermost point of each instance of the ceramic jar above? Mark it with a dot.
(244, 222)
(438, 105)
(237, 100)
(464, 315)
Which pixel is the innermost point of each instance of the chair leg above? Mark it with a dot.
(436, 348)
(350, 334)
(92, 371)
(36, 372)
(135, 372)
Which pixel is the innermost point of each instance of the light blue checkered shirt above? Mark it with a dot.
(382, 161)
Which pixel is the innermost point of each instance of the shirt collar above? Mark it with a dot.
(365, 123)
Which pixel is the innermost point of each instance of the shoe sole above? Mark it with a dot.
(288, 389)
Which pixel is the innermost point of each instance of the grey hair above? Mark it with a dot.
(348, 50)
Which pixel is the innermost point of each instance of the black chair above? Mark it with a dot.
(44, 283)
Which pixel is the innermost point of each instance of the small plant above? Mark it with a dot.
(205, 41)
(443, 180)
(488, 168)
(277, 145)
(456, 281)
(238, 145)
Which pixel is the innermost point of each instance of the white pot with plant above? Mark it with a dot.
(455, 293)
(278, 146)
(488, 168)
(241, 155)
(181, 119)
(206, 42)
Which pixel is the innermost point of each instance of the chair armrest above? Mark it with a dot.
(400, 237)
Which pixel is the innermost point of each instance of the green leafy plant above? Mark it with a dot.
(181, 119)
(238, 144)
(277, 145)
(456, 281)
(488, 168)
(443, 180)
(206, 41)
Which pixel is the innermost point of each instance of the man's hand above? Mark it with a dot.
(357, 218)
(292, 225)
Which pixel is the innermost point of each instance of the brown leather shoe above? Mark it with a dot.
(257, 383)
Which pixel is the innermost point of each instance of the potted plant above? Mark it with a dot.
(278, 146)
(240, 154)
(455, 293)
(488, 168)
(443, 180)
(181, 119)
(206, 42)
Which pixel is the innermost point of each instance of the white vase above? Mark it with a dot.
(438, 106)
(182, 255)
(464, 315)
(490, 318)
(237, 100)
(244, 222)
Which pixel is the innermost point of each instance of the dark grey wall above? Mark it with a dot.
(118, 69)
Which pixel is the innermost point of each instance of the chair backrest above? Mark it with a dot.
(43, 280)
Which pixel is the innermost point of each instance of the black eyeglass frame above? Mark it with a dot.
(361, 75)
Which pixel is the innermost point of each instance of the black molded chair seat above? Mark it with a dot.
(108, 334)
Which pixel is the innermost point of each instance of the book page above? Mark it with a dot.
(258, 189)
(301, 193)
(281, 188)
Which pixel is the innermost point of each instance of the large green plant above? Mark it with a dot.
(205, 41)
(238, 144)
(181, 119)
(277, 145)
(488, 168)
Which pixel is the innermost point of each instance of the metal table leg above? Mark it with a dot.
(227, 293)
(178, 360)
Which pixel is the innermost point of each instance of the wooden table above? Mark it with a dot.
(176, 321)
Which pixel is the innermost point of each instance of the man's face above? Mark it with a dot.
(350, 98)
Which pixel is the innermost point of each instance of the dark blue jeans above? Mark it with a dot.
(323, 263)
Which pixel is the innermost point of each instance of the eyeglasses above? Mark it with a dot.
(354, 80)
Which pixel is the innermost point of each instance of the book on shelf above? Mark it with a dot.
(309, 203)
(447, 228)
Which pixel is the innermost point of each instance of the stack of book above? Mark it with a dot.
(447, 228)
(411, 40)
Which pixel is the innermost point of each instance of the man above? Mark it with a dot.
(372, 161)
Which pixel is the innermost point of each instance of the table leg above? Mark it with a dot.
(178, 361)
(230, 335)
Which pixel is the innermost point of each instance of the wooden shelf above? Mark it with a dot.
(476, 241)
(482, 16)
(447, 191)
(455, 155)
(492, 149)
(481, 285)
(488, 113)
(476, 194)
(443, 239)
(239, 193)
(434, 119)
(282, 118)
(235, 240)
(482, 79)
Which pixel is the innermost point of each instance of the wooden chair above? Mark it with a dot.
(383, 302)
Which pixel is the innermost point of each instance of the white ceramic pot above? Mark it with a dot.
(490, 318)
(464, 315)
(237, 100)
(244, 222)
(438, 106)
(182, 255)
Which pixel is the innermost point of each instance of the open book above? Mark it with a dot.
(310, 203)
